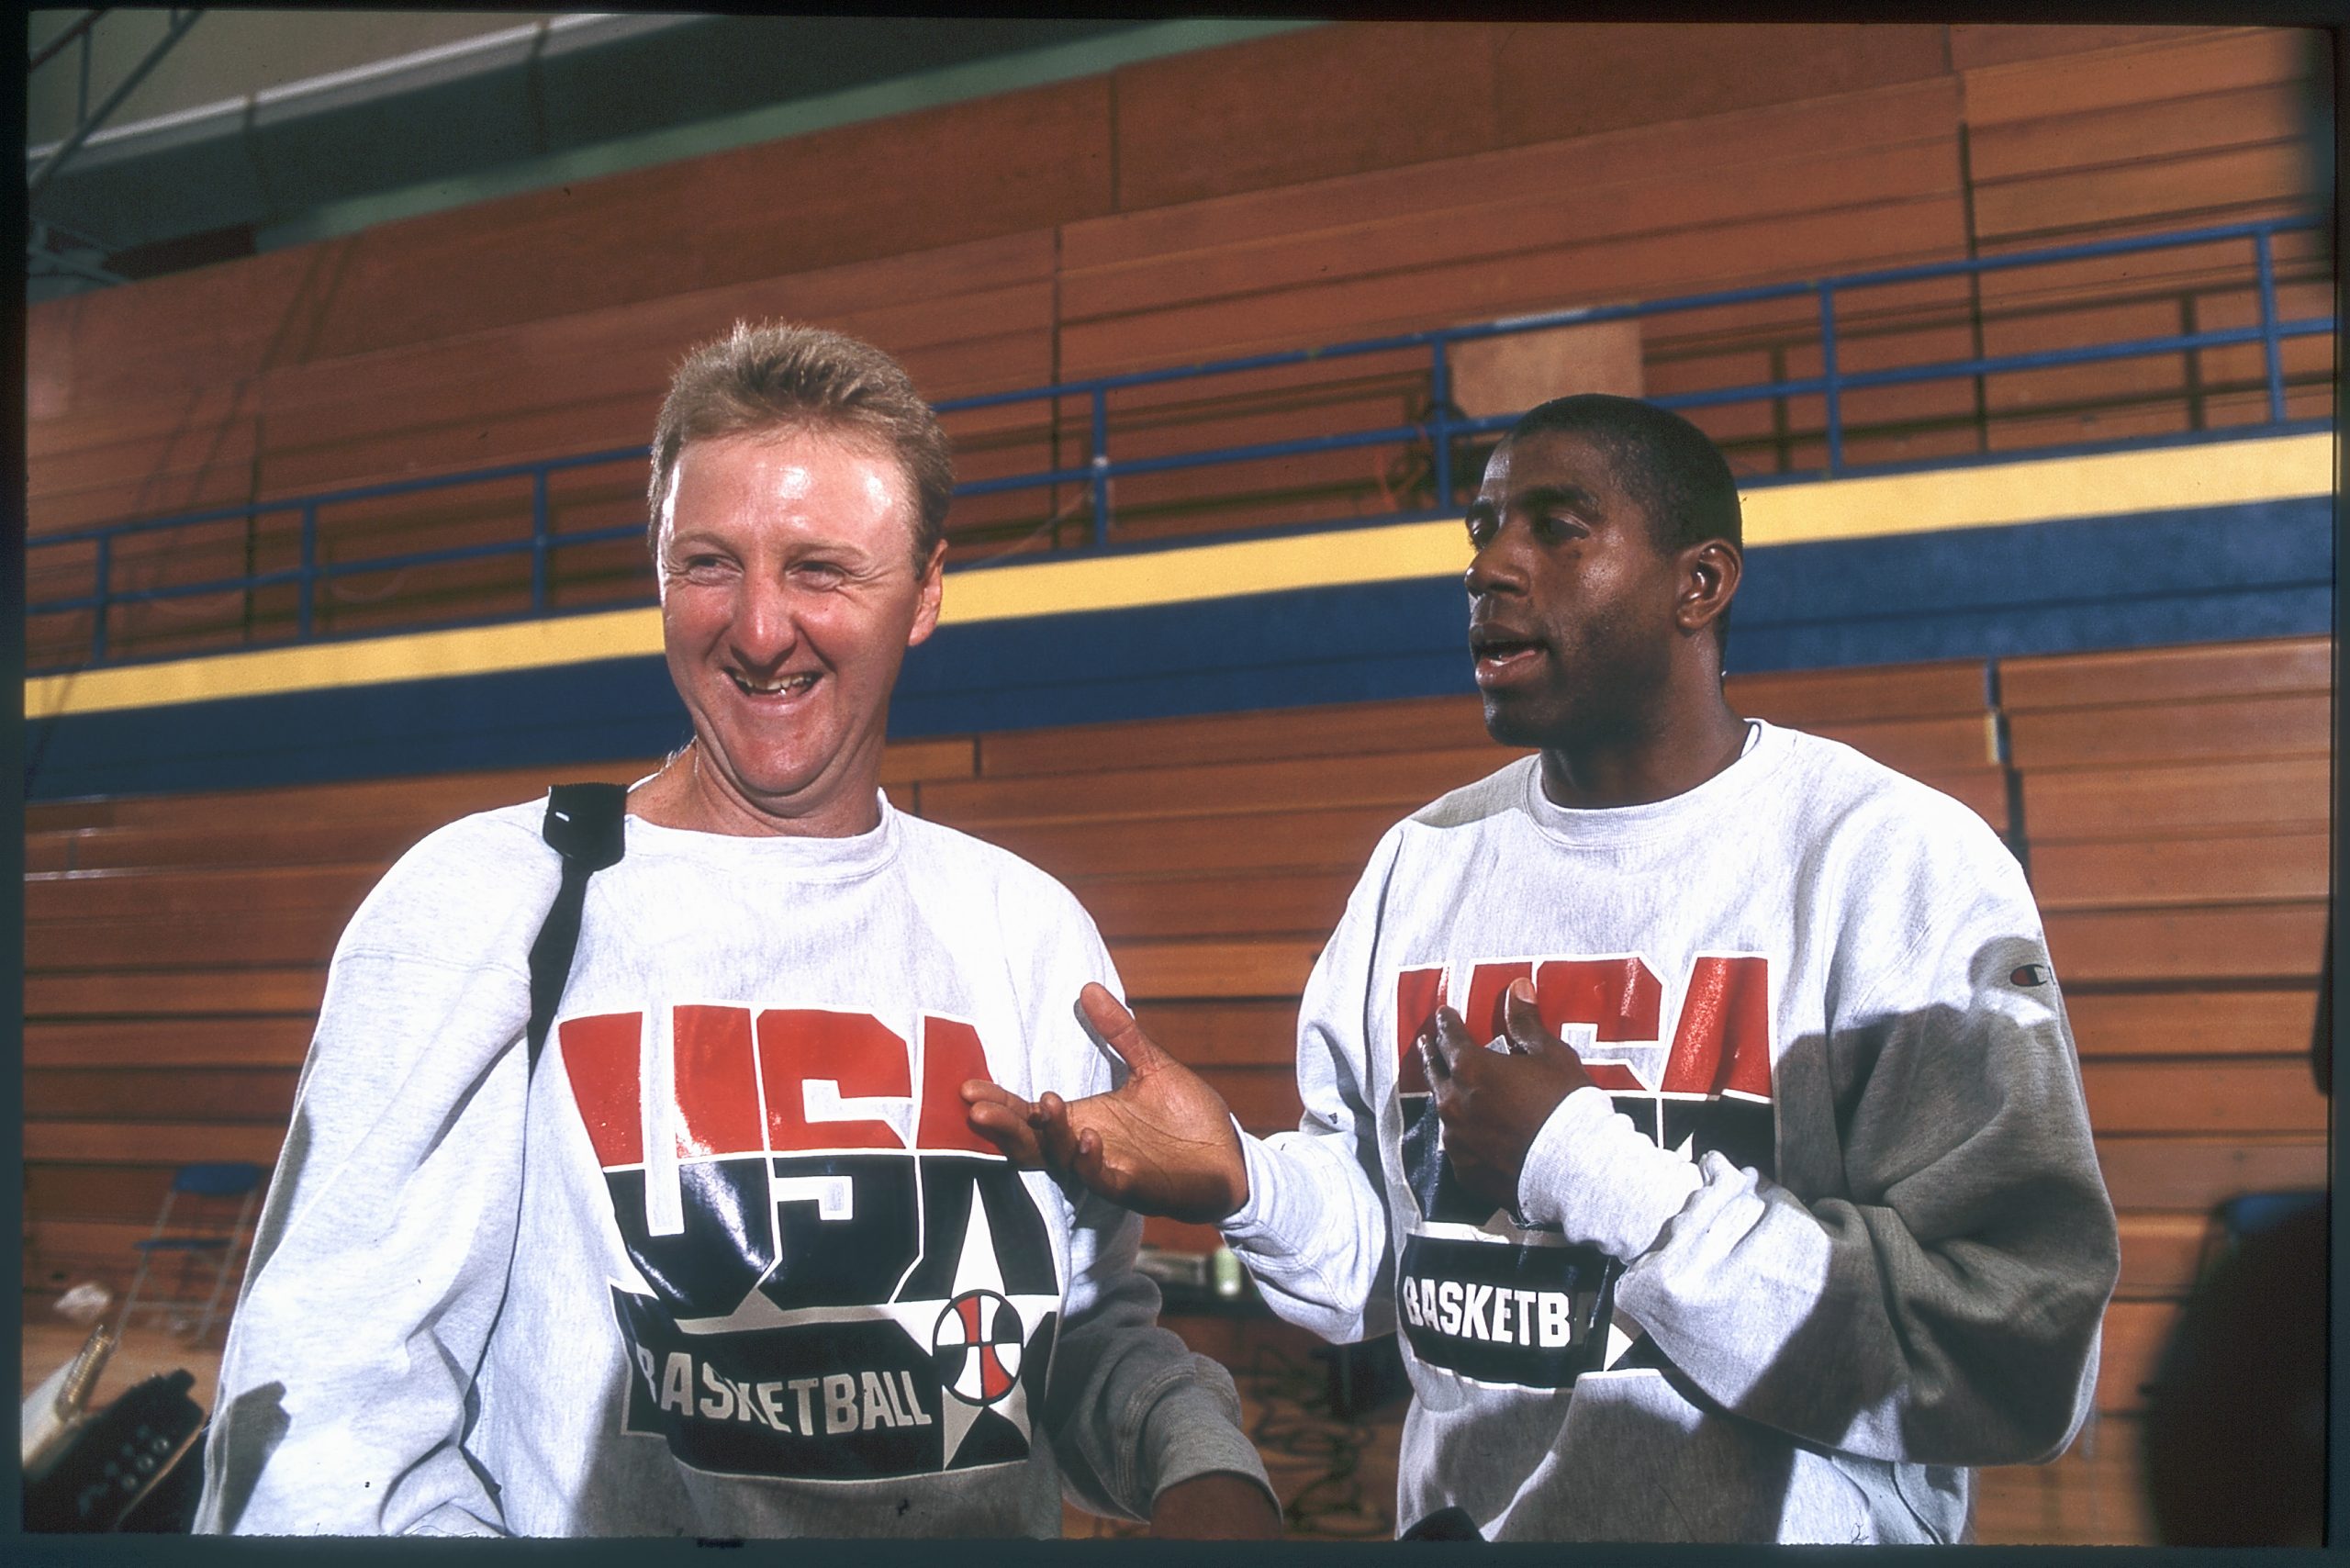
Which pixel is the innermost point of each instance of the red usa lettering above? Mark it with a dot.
(1721, 1043)
(785, 1080)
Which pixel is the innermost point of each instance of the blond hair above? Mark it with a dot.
(783, 378)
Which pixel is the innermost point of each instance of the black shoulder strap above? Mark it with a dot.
(583, 825)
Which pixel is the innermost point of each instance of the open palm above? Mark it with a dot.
(1161, 1143)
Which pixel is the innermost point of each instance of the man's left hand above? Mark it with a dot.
(1493, 1104)
(1216, 1506)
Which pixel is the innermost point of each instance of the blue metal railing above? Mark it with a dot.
(1440, 429)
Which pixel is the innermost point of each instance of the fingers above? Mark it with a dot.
(987, 1091)
(1004, 1119)
(1522, 1021)
(1092, 1166)
(1118, 1029)
(1442, 1045)
(1054, 1132)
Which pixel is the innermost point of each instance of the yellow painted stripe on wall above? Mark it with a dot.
(2037, 490)
(420, 655)
(2113, 484)
(1208, 571)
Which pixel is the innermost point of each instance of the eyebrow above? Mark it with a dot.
(1536, 498)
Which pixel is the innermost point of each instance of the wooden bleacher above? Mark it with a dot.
(2173, 806)
(1128, 232)
(2177, 807)
(175, 946)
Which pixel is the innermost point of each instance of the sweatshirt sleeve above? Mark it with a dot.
(1314, 1230)
(380, 1257)
(1944, 1306)
(1130, 1410)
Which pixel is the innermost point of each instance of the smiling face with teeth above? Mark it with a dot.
(788, 599)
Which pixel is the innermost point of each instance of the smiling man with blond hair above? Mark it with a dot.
(729, 1262)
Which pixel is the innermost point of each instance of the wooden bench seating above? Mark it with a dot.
(2172, 805)
(2177, 807)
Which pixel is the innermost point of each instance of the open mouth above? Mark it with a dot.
(782, 686)
(1502, 658)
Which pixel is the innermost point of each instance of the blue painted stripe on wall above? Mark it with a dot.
(2206, 574)
(2214, 574)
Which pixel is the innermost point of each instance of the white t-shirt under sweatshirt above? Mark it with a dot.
(1828, 1231)
(743, 1269)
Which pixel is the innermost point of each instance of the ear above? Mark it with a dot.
(1709, 577)
(929, 592)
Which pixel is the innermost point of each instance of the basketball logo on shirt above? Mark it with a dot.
(977, 1344)
(846, 1283)
(1502, 1303)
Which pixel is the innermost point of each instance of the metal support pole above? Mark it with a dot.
(1440, 423)
(1827, 376)
(78, 28)
(2269, 327)
(1101, 467)
(539, 542)
(310, 570)
(98, 617)
(39, 178)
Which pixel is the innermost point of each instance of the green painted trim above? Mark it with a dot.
(955, 84)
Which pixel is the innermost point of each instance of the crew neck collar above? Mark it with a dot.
(1765, 746)
(819, 858)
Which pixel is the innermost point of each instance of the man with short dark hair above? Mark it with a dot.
(1695, 1096)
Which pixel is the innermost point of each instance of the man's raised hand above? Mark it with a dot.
(1492, 1103)
(1161, 1143)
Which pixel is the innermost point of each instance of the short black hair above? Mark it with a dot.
(1668, 464)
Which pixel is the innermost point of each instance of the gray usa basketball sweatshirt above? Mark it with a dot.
(732, 1264)
(1827, 1231)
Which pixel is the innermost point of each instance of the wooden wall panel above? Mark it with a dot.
(2160, 1252)
(1138, 238)
(1976, 44)
(2182, 1097)
(1558, 83)
(2221, 943)
(2148, 872)
(2209, 1022)
(189, 451)
(2199, 1174)
(1403, 781)
(177, 335)
(2198, 121)
(2225, 729)
(2272, 795)
(966, 318)
(1016, 161)
(2266, 668)
(1353, 256)
(1242, 904)
(2177, 804)
(2135, 1332)
(1245, 118)
(2190, 61)
(168, 1042)
(1294, 218)
(2201, 128)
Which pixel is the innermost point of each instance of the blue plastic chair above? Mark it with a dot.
(209, 1187)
